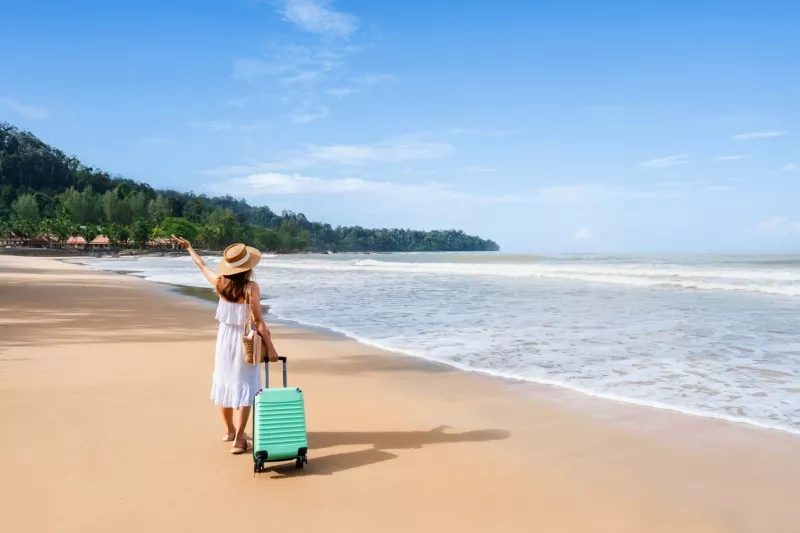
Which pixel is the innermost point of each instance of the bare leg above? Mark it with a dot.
(227, 418)
(243, 414)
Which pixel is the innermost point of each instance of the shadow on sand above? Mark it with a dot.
(380, 441)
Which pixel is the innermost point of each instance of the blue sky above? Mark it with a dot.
(549, 127)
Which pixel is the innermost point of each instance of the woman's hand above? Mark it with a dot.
(263, 332)
(273, 354)
(211, 276)
(183, 242)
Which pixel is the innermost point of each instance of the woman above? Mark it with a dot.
(235, 381)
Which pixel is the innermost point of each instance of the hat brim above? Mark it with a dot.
(226, 270)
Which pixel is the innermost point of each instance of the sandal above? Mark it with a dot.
(246, 448)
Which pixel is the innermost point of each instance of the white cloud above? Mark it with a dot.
(212, 125)
(236, 102)
(664, 162)
(297, 58)
(433, 194)
(771, 224)
(275, 183)
(278, 183)
(408, 148)
(316, 16)
(34, 112)
(359, 84)
(240, 170)
(790, 168)
(759, 135)
(304, 117)
(479, 169)
(305, 77)
(291, 59)
(775, 226)
(411, 147)
(583, 234)
(308, 76)
(724, 158)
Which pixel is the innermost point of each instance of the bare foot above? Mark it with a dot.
(241, 447)
(229, 436)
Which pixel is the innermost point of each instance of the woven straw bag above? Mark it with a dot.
(255, 349)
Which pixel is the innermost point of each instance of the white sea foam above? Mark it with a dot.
(713, 337)
(780, 282)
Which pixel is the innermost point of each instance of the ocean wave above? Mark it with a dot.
(421, 354)
(779, 282)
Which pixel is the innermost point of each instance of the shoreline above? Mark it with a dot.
(207, 294)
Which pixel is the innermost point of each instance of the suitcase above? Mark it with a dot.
(279, 424)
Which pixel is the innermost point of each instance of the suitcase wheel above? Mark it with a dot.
(258, 467)
(301, 461)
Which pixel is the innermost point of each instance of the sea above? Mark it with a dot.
(713, 336)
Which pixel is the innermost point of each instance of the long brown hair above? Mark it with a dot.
(233, 287)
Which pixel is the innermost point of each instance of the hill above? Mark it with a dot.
(42, 190)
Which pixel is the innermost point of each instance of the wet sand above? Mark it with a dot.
(107, 426)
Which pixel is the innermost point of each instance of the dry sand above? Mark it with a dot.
(107, 427)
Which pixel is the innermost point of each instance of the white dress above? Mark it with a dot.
(235, 382)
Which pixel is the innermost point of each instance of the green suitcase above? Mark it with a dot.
(279, 424)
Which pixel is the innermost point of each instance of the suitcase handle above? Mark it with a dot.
(266, 372)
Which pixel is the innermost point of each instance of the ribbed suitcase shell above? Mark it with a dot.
(279, 424)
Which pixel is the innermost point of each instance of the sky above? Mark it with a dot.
(549, 127)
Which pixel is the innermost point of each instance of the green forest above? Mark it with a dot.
(44, 191)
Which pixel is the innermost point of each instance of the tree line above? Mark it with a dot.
(42, 190)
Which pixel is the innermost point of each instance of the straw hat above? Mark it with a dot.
(238, 258)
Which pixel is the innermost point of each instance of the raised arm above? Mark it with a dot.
(211, 276)
(258, 319)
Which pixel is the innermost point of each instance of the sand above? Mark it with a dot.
(107, 426)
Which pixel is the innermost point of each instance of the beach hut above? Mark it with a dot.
(100, 243)
(55, 242)
(11, 240)
(78, 243)
(161, 245)
(42, 241)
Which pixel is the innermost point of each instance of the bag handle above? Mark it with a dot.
(249, 319)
